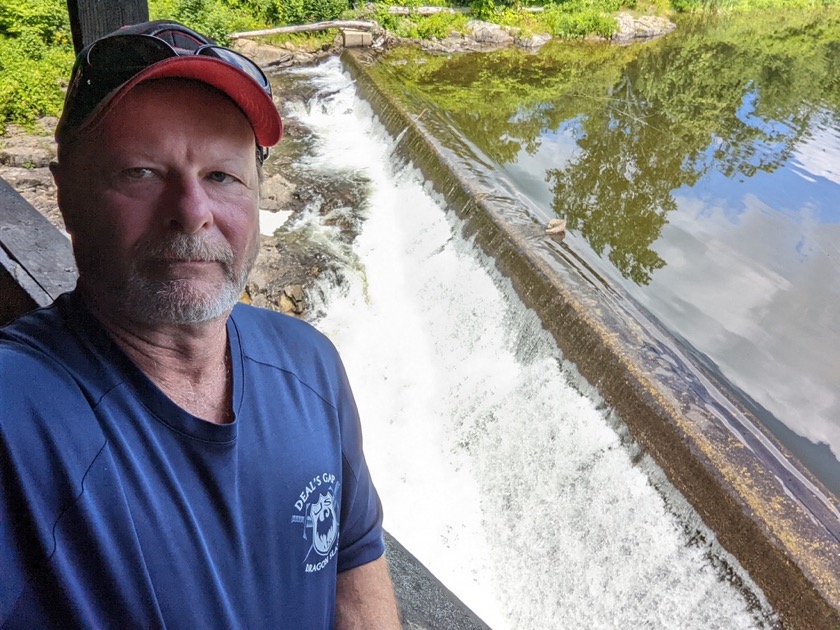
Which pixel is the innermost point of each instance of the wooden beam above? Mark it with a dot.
(91, 19)
(36, 260)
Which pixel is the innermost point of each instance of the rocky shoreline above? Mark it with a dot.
(290, 263)
(480, 36)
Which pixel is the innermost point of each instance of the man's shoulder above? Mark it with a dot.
(292, 346)
(39, 397)
(35, 327)
(261, 328)
(39, 361)
(26, 347)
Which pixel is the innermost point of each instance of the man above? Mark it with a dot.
(168, 457)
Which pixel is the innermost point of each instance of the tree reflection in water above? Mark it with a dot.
(731, 95)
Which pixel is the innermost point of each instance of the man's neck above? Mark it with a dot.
(189, 362)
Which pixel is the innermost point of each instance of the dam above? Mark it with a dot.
(714, 476)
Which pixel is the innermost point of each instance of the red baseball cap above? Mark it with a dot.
(108, 68)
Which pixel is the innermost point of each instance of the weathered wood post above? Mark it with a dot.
(91, 19)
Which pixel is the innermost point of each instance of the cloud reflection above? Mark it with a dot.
(760, 296)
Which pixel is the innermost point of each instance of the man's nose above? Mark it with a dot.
(189, 209)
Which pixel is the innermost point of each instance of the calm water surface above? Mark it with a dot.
(699, 172)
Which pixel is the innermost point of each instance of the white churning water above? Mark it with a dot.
(498, 467)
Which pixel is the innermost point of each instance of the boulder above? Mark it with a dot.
(487, 33)
(642, 27)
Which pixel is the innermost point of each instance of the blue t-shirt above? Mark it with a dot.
(118, 509)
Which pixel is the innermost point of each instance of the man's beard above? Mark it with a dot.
(152, 300)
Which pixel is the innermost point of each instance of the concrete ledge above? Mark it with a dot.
(356, 39)
(425, 603)
(780, 523)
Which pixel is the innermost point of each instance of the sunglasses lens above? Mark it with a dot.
(107, 64)
(125, 55)
(238, 61)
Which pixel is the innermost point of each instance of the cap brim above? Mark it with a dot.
(254, 102)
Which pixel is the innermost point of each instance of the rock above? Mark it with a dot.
(533, 42)
(24, 163)
(268, 56)
(488, 33)
(22, 149)
(277, 192)
(556, 226)
(292, 300)
(643, 27)
(556, 229)
(356, 39)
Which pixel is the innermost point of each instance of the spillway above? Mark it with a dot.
(499, 466)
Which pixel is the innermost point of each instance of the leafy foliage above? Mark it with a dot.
(437, 26)
(303, 11)
(215, 18)
(35, 58)
(570, 19)
(577, 21)
(45, 19)
(31, 75)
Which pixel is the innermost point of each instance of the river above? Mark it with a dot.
(498, 466)
(698, 174)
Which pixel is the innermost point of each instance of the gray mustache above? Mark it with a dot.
(187, 247)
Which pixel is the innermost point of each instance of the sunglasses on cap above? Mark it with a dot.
(109, 63)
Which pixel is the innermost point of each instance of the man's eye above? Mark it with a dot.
(138, 172)
(220, 177)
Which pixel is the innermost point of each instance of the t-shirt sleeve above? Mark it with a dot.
(361, 539)
(41, 468)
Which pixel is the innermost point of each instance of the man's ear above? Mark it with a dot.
(64, 195)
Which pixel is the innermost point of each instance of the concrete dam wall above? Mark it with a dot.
(767, 510)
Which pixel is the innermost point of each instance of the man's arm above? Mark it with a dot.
(365, 598)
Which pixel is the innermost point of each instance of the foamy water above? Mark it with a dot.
(498, 467)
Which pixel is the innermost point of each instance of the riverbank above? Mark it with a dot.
(477, 36)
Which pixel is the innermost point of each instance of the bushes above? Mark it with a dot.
(577, 21)
(31, 75)
(218, 18)
(304, 11)
(46, 20)
(215, 18)
(571, 19)
(568, 18)
(35, 59)
(435, 26)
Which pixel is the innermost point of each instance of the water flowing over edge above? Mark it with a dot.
(498, 466)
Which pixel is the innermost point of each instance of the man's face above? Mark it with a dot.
(161, 200)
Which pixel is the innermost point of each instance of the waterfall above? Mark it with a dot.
(498, 466)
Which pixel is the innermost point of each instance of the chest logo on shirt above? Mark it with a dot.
(317, 511)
